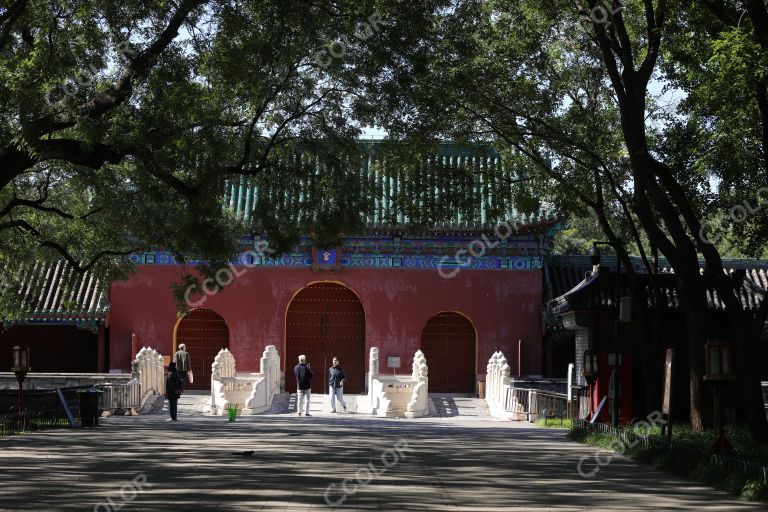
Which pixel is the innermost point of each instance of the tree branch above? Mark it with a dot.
(82, 269)
(121, 89)
(9, 18)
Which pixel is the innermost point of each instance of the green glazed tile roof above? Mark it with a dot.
(463, 188)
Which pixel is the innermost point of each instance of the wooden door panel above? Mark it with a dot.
(204, 333)
(326, 320)
(448, 342)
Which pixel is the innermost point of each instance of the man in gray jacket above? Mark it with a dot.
(183, 365)
(336, 378)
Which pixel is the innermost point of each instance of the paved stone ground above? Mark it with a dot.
(424, 464)
(459, 408)
(441, 406)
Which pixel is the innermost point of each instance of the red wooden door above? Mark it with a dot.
(204, 333)
(326, 320)
(448, 342)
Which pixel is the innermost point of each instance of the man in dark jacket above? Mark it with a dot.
(303, 384)
(336, 378)
(183, 364)
(173, 389)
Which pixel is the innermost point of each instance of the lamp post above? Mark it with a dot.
(719, 371)
(590, 372)
(594, 255)
(20, 368)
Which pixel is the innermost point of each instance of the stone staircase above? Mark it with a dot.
(191, 403)
(197, 403)
(320, 405)
(465, 408)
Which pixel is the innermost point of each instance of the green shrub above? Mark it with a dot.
(694, 461)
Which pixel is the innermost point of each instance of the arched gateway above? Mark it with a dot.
(322, 321)
(205, 333)
(449, 343)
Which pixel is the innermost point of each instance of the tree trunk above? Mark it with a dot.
(647, 322)
(753, 392)
(749, 374)
(694, 304)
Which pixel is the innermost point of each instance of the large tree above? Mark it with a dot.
(121, 122)
(577, 87)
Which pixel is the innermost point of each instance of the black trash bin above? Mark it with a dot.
(89, 407)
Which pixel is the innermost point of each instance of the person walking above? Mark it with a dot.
(336, 378)
(304, 377)
(174, 386)
(183, 364)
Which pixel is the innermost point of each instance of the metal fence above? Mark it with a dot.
(517, 400)
(119, 397)
(580, 406)
(535, 403)
(60, 407)
(631, 440)
(43, 408)
(31, 420)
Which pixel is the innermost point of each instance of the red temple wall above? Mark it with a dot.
(504, 306)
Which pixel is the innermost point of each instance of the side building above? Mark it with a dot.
(64, 320)
(581, 318)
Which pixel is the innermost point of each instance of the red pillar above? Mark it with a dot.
(101, 350)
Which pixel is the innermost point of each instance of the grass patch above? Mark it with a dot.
(556, 423)
(691, 457)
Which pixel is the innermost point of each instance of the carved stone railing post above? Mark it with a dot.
(490, 379)
(504, 381)
(501, 383)
(373, 367)
(270, 368)
(147, 369)
(498, 378)
(264, 385)
(419, 404)
(223, 367)
(492, 394)
(265, 369)
(160, 373)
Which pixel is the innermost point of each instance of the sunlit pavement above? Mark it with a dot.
(310, 463)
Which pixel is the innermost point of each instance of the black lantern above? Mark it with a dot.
(590, 369)
(718, 372)
(594, 255)
(20, 368)
(718, 364)
(20, 358)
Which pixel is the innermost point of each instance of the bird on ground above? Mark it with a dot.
(248, 453)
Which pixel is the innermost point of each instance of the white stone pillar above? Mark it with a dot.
(373, 371)
(160, 375)
(501, 383)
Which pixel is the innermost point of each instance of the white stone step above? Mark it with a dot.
(321, 404)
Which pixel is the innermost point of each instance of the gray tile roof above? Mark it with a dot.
(596, 291)
(52, 292)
